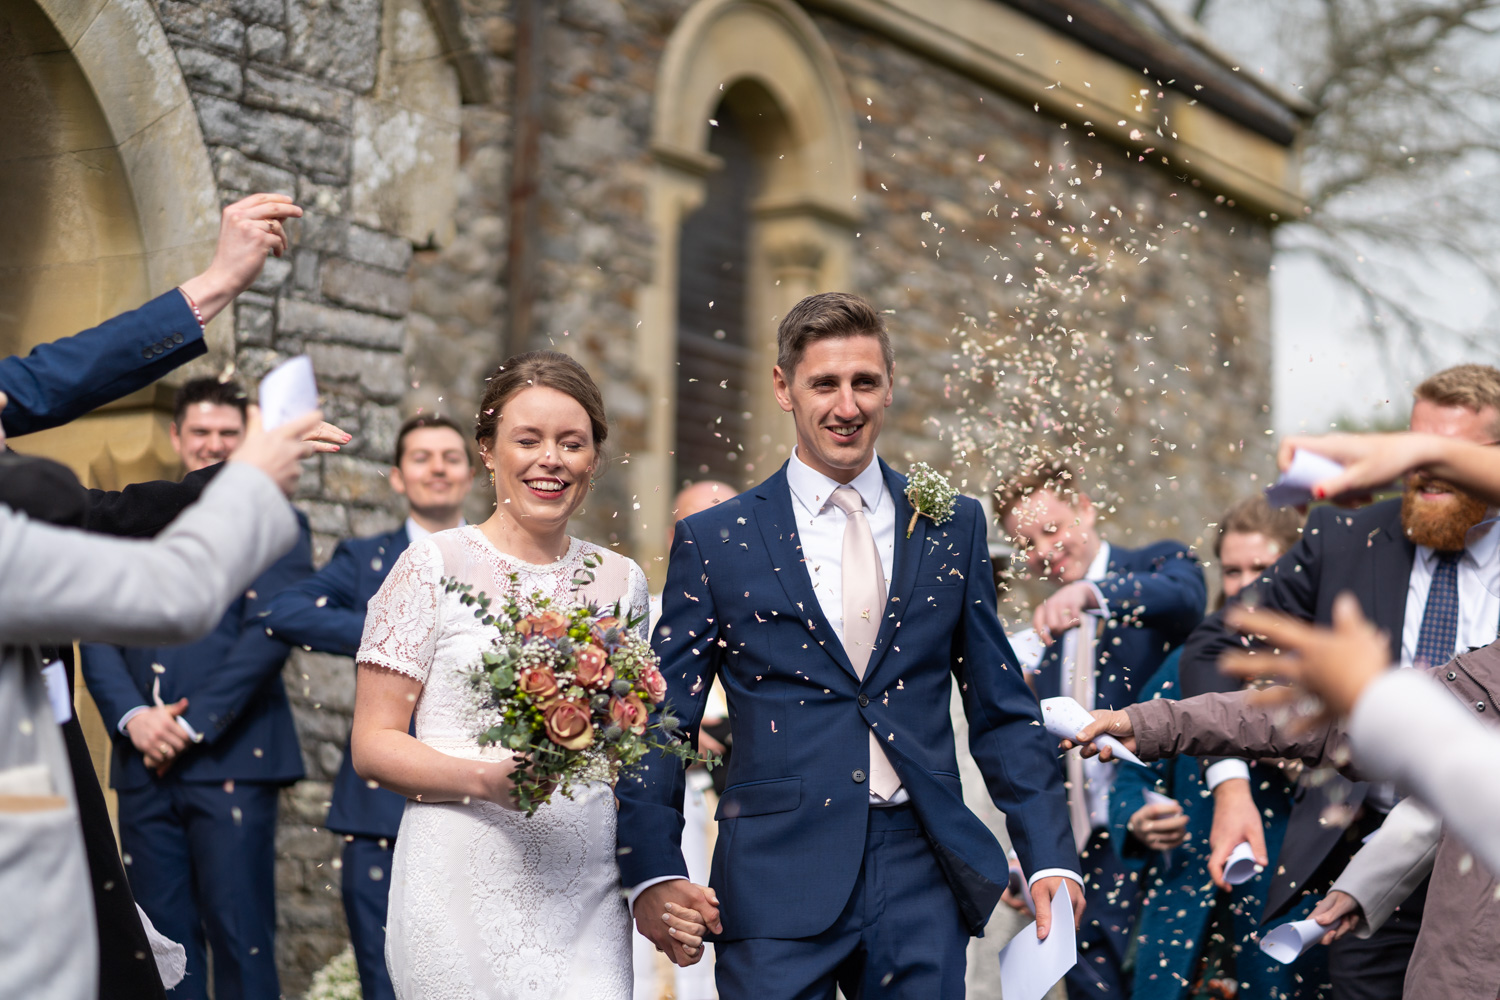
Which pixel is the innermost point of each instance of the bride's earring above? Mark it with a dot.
(492, 477)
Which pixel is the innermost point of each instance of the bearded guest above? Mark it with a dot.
(1418, 567)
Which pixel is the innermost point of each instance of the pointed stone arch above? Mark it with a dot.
(768, 59)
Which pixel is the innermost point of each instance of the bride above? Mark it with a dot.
(486, 902)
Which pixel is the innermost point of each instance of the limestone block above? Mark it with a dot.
(319, 229)
(380, 373)
(379, 425)
(404, 172)
(206, 23)
(295, 95)
(365, 287)
(278, 138)
(357, 480)
(373, 520)
(319, 322)
(325, 679)
(210, 73)
(253, 325)
(260, 11)
(326, 518)
(336, 43)
(237, 172)
(265, 43)
(368, 246)
(273, 275)
(305, 270)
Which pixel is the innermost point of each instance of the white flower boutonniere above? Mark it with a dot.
(931, 494)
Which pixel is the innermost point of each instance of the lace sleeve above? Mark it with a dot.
(638, 597)
(404, 616)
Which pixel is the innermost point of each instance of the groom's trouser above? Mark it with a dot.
(900, 935)
(1111, 900)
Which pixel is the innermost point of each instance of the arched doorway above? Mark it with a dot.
(109, 197)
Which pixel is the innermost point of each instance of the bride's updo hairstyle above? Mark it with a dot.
(552, 369)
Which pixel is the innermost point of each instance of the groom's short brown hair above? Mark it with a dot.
(826, 315)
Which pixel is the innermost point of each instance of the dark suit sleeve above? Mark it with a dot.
(255, 656)
(1169, 595)
(323, 611)
(650, 821)
(1290, 586)
(108, 679)
(1014, 753)
(62, 380)
(142, 510)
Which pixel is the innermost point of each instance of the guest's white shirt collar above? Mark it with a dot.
(415, 532)
(1099, 568)
(811, 488)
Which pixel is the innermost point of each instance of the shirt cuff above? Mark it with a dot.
(187, 727)
(1225, 770)
(630, 900)
(1099, 596)
(127, 717)
(1050, 872)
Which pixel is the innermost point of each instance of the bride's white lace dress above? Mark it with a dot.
(486, 902)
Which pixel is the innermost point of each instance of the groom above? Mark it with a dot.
(845, 853)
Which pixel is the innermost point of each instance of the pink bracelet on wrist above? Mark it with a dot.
(197, 313)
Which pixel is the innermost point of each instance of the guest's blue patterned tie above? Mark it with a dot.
(1438, 637)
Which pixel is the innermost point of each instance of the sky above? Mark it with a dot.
(1327, 367)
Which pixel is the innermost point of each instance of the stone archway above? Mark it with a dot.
(106, 162)
(768, 57)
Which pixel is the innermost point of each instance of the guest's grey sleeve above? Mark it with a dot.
(1392, 864)
(1225, 724)
(1407, 728)
(60, 584)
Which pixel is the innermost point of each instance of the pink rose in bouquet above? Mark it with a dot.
(655, 684)
(594, 670)
(548, 625)
(629, 713)
(539, 684)
(569, 724)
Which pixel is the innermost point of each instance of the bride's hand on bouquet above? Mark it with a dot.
(498, 785)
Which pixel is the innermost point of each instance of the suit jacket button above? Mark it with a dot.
(176, 338)
(858, 776)
(864, 700)
(145, 352)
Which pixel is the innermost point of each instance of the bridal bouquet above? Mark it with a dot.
(571, 690)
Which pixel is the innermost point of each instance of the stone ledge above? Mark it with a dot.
(328, 323)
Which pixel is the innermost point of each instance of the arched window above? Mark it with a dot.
(714, 353)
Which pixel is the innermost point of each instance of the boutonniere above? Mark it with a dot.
(930, 494)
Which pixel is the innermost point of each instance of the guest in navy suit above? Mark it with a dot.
(1139, 604)
(845, 853)
(205, 743)
(326, 612)
(64, 379)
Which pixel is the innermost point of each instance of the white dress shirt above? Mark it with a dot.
(820, 531)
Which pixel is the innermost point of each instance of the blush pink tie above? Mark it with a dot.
(864, 605)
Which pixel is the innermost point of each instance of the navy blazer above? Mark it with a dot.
(326, 612)
(739, 605)
(232, 680)
(62, 380)
(1156, 596)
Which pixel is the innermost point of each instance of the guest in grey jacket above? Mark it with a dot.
(58, 584)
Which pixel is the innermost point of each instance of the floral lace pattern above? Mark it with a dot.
(485, 902)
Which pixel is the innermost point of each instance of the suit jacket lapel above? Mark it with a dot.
(777, 522)
(1390, 579)
(903, 569)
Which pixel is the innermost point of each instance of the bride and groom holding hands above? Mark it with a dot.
(832, 614)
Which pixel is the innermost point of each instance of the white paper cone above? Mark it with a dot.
(1241, 865)
(1296, 483)
(1064, 717)
(1287, 942)
(1158, 799)
(288, 391)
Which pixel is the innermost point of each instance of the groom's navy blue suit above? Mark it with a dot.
(797, 830)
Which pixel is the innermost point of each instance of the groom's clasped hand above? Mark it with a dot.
(674, 915)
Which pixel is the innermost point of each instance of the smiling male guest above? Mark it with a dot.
(1420, 575)
(204, 744)
(326, 612)
(845, 856)
(1120, 611)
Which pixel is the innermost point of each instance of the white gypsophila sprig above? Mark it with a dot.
(930, 494)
